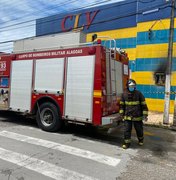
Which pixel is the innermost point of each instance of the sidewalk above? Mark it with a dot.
(156, 118)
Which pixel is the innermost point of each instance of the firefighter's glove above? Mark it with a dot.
(145, 118)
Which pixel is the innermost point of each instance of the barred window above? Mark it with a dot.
(160, 78)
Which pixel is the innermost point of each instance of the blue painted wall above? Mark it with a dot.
(113, 16)
(149, 10)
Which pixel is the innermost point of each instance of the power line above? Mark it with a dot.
(50, 9)
(35, 12)
(111, 19)
(73, 10)
(102, 21)
(32, 14)
(62, 17)
(10, 41)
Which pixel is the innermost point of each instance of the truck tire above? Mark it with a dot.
(48, 117)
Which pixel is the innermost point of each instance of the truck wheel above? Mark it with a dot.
(48, 117)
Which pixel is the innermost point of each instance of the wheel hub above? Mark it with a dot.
(47, 117)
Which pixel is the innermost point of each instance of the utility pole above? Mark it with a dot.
(174, 118)
(169, 66)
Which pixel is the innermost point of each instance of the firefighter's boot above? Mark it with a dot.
(141, 142)
(126, 145)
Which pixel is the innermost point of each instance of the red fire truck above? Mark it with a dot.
(80, 84)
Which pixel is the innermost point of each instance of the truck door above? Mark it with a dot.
(21, 85)
(49, 75)
(5, 63)
(79, 88)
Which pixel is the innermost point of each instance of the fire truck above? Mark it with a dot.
(74, 84)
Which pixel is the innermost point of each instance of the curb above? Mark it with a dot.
(158, 125)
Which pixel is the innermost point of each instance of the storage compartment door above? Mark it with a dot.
(79, 88)
(21, 85)
(49, 75)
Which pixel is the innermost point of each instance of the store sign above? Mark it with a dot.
(74, 19)
(95, 19)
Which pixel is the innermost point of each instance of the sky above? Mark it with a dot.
(17, 17)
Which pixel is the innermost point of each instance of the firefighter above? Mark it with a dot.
(133, 109)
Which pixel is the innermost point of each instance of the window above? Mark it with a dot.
(160, 78)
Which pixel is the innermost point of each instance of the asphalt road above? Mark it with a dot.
(77, 152)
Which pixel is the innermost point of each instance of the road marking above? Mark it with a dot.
(64, 148)
(60, 135)
(41, 167)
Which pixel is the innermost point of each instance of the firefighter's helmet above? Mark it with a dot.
(131, 83)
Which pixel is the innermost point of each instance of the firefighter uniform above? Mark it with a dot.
(133, 109)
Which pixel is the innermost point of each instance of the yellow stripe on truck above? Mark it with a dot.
(97, 93)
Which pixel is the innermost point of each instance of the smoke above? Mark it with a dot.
(162, 67)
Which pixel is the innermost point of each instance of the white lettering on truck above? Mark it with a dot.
(75, 51)
(54, 53)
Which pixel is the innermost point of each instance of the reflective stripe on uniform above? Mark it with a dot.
(143, 103)
(127, 118)
(121, 102)
(132, 118)
(145, 112)
(132, 103)
(121, 111)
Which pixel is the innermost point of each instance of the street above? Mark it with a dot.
(77, 152)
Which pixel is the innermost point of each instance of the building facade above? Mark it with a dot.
(141, 28)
